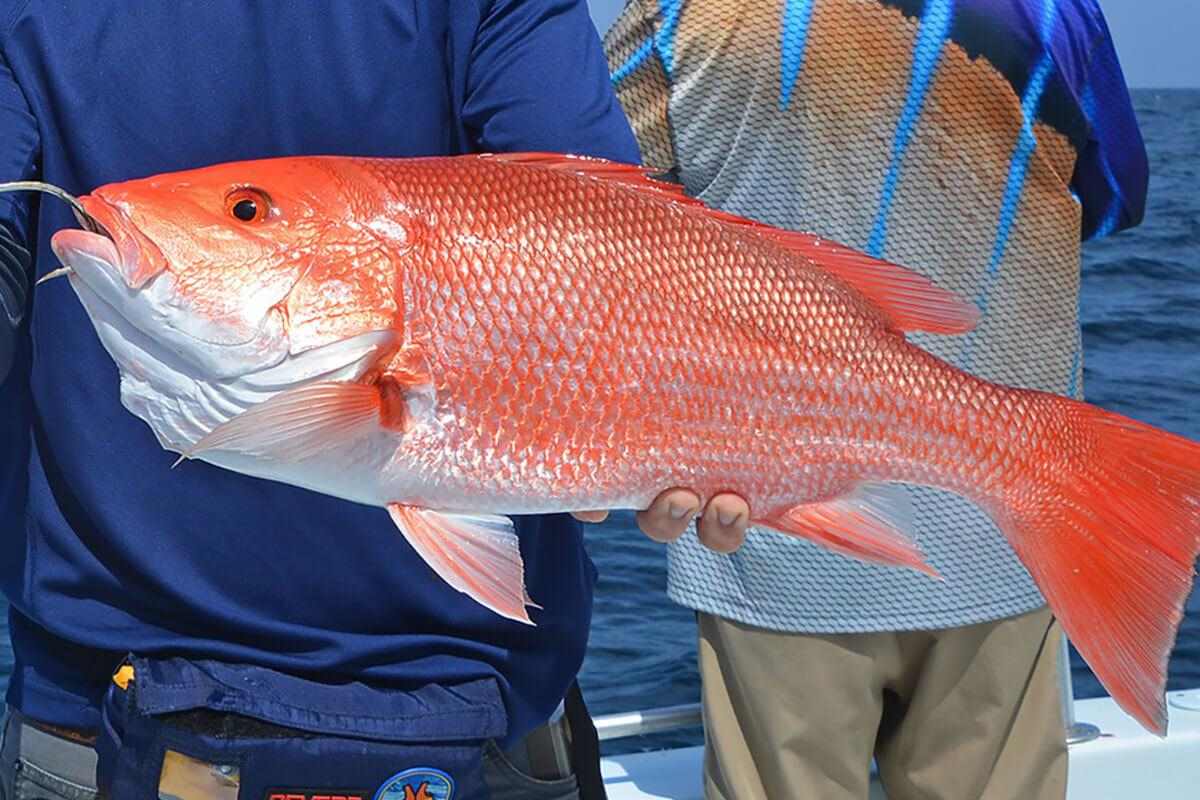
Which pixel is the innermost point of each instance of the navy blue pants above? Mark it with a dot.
(251, 734)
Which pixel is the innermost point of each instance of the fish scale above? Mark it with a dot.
(476, 336)
(654, 327)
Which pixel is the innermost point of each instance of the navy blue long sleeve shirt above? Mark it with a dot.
(103, 549)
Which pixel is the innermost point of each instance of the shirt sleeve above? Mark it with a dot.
(18, 151)
(537, 81)
(1112, 172)
(641, 82)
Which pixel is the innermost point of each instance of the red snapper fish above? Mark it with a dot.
(458, 339)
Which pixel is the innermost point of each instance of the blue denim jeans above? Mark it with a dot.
(37, 766)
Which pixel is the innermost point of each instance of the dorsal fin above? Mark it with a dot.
(910, 301)
(629, 175)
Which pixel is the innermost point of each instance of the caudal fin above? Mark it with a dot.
(1112, 543)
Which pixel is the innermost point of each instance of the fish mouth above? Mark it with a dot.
(110, 237)
(89, 222)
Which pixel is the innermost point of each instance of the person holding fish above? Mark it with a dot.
(460, 342)
(209, 633)
(978, 143)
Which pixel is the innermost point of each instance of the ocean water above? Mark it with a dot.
(1141, 311)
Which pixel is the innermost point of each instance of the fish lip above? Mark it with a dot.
(139, 260)
(67, 243)
(109, 236)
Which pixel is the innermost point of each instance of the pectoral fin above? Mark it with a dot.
(302, 422)
(477, 554)
(298, 423)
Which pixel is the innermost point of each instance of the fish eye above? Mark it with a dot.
(247, 205)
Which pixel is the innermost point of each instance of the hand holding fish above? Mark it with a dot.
(721, 527)
(459, 339)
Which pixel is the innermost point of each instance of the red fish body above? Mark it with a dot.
(458, 338)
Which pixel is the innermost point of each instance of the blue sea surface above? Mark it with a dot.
(1141, 312)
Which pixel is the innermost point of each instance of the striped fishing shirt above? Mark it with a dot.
(977, 141)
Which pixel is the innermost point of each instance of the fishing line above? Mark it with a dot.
(86, 220)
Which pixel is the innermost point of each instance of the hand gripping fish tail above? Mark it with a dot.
(457, 340)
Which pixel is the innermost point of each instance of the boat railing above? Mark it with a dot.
(653, 720)
(671, 718)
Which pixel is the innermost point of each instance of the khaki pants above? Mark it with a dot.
(959, 714)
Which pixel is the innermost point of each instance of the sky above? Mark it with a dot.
(1158, 41)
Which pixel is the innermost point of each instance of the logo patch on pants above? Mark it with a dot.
(421, 783)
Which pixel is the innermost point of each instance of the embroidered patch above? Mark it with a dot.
(421, 783)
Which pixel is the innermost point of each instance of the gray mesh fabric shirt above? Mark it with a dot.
(958, 138)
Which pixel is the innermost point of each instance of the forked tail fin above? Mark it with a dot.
(1112, 544)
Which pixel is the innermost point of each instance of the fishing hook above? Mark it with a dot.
(86, 220)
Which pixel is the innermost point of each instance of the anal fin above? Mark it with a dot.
(477, 554)
(871, 523)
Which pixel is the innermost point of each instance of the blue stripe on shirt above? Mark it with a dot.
(927, 53)
(792, 38)
(1112, 215)
(664, 39)
(633, 62)
(1018, 166)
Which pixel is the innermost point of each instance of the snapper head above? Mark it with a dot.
(219, 287)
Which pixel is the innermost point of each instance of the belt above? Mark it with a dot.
(62, 752)
(76, 735)
(546, 752)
